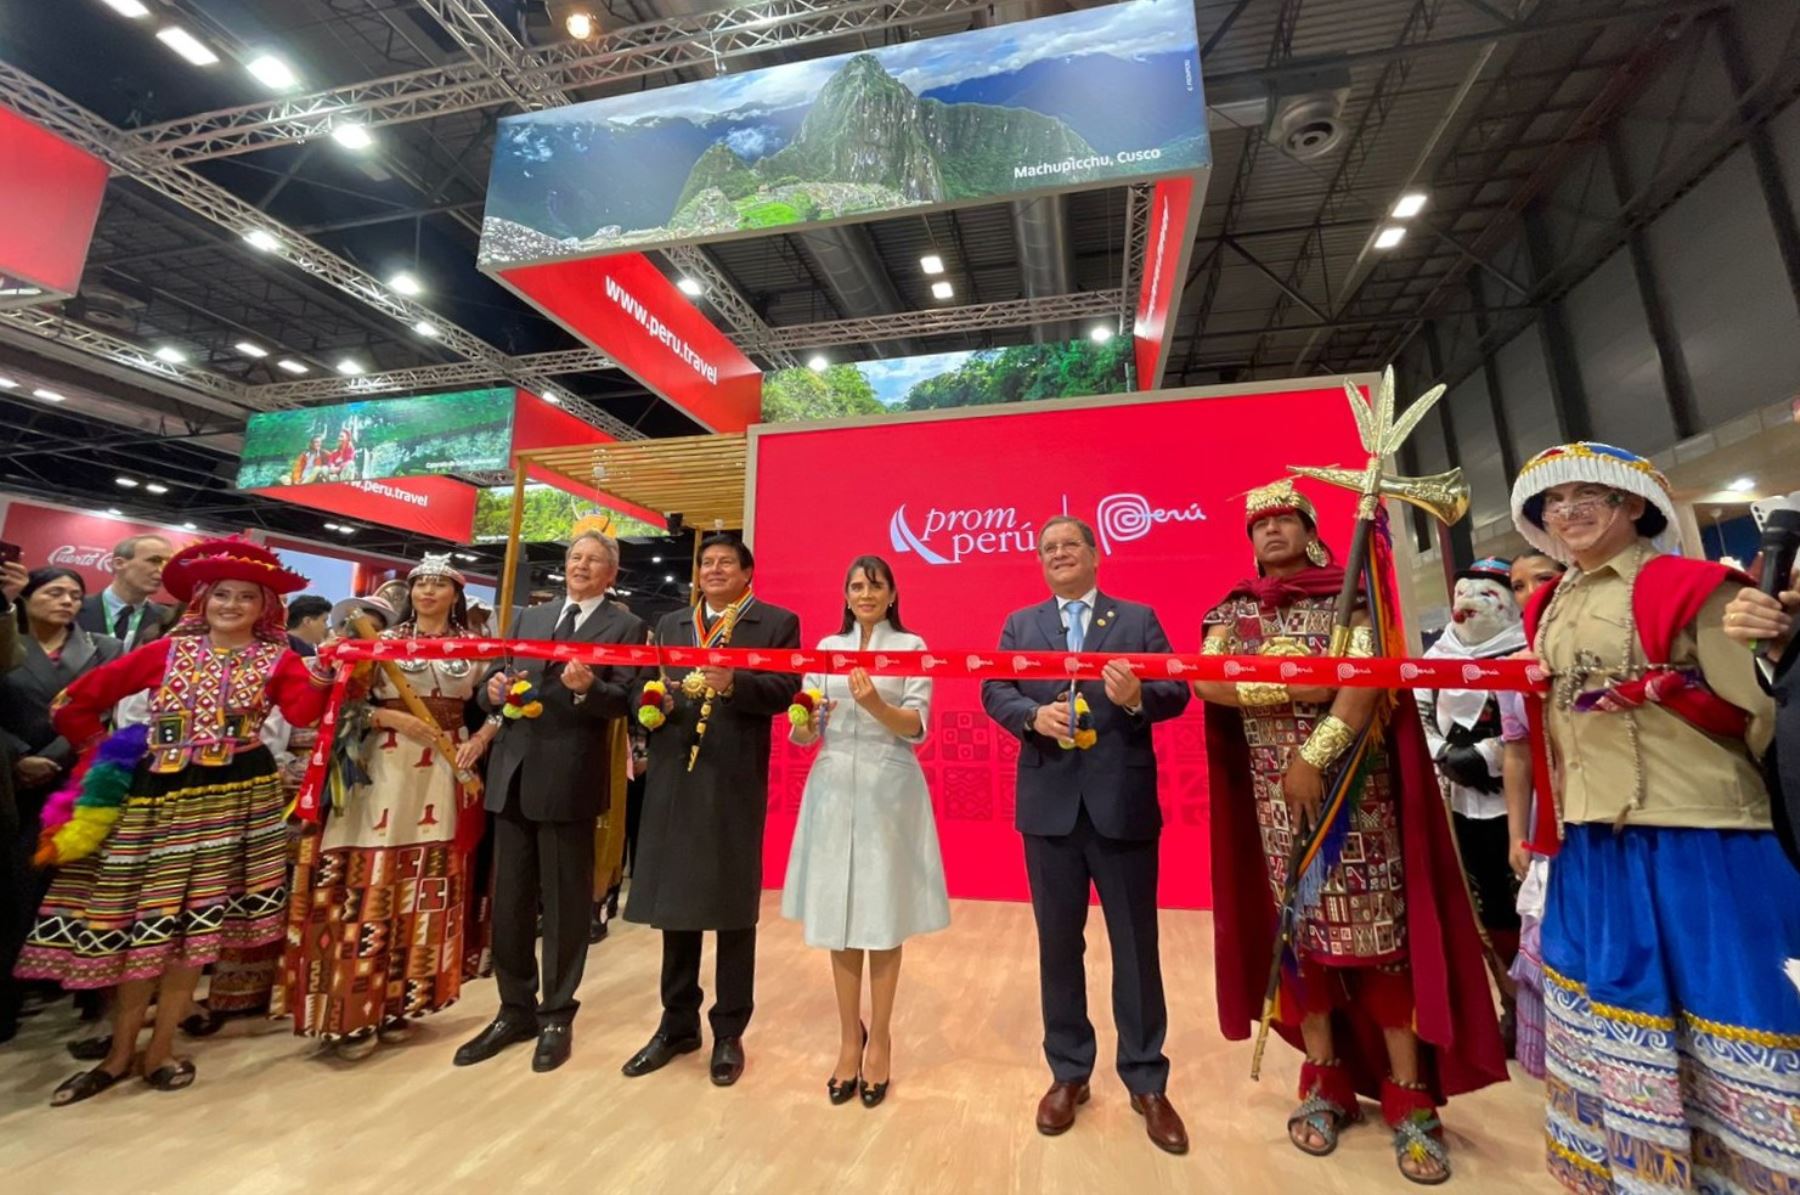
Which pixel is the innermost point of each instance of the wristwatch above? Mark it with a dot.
(495, 721)
(1031, 719)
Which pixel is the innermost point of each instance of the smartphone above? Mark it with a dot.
(1761, 510)
(10, 553)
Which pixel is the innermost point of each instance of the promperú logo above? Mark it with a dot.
(951, 535)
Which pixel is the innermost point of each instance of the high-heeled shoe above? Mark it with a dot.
(842, 1091)
(874, 1093)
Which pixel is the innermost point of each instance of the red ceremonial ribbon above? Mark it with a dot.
(310, 803)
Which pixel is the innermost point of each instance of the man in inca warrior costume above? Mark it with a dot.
(1386, 992)
(1672, 1039)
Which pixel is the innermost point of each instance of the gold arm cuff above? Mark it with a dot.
(1215, 645)
(1362, 643)
(1328, 741)
(1251, 694)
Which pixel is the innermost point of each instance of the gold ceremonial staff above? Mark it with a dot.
(1445, 496)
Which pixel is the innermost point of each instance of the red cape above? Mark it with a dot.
(1454, 1014)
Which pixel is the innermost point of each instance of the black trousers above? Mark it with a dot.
(1060, 868)
(734, 975)
(547, 865)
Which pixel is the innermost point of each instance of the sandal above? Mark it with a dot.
(90, 1049)
(1323, 1117)
(171, 1076)
(86, 1085)
(204, 1023)
(1415, 1141)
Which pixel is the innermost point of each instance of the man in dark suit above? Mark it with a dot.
(124, 609)
(1753, 617)
(699, 856)
(546, 780)
(1091, 816)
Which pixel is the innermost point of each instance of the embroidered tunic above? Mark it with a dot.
(1359, 919)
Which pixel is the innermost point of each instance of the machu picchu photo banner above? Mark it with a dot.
(1090, 98)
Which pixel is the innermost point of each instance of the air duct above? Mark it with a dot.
(845, 260)
(1046, 264)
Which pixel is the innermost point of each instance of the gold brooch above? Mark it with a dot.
(694, 685)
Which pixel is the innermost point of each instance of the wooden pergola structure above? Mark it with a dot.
(701, 478)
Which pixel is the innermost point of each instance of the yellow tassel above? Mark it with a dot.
(83, 833)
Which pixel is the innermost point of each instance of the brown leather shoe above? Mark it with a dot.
(1056, 1111)
(1161, 1121)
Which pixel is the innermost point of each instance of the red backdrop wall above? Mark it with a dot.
(1163, 482)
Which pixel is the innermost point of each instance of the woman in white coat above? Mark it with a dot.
(865, 873)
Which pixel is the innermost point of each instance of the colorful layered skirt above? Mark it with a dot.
(196, 865)
(1672, 1037)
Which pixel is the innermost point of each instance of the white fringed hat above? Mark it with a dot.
(1601, 464)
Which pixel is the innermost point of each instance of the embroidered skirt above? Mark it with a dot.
(1672, 1036)
(196, 864)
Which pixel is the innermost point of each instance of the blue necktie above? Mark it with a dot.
(1076, 632)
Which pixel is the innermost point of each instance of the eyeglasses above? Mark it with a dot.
(1061, 547)
(1580, 505)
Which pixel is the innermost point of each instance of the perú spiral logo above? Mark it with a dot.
(1122, 518)
(1409, 672)
(1289, 670)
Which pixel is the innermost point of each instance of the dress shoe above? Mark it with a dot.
(596, 931)
(554, 1043)
(1161, 1121)
(659, 1052)
(500, 1034)
(1056, 1111)
(727, 1061)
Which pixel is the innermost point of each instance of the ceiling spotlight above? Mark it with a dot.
(406, 283)
(155, 487)
(330, 526)
(19, 292)
(1390, 236)
(352, 136)
(170, 354)
(47, 395)
(272, 72)
(128, 8)
(1100, 333)
(467, 556)
(690, 287)
(580, 25)
(8, 384)
(932, 263)
(942, 290)
(350, 367)
(291, 366)
(426, 328)
(553, 398)
(1409, 205)
(346, 530)
(1742, 485)
(656, 560)
(251, 350)
(126, 483)
(113, 512)
(263, 239)
(818, 363)
(189, 527)
(186, 45)
(669, 578)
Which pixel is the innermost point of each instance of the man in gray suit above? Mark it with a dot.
(547, 780)
(124, 609)
(1091, 816)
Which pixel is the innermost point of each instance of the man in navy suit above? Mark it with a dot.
(1092, 816)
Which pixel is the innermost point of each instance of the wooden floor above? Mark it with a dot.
(266, 1116)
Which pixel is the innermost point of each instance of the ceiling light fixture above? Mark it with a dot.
(134, 9)
(1100, 333)
(272, 72)
(580, 25)
(426, 328)
(47, 395)
(669, 579)
(352, 136)
(656, 560)
(113, 512)
(8, 384)
(1742, 485)
(126, 483)
(350, 367)
(818, 363)
(189, 527)
(262, 239)
(553, 576)
(291, 366)
(942, 290)
(1390, 236)
(170, 354)
(1409, 205)
(186, 45)
(251, 350)
(346, 530)
(406, 283)
(690, 287)
(155, 487)
(329, 526)
(932, 263)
